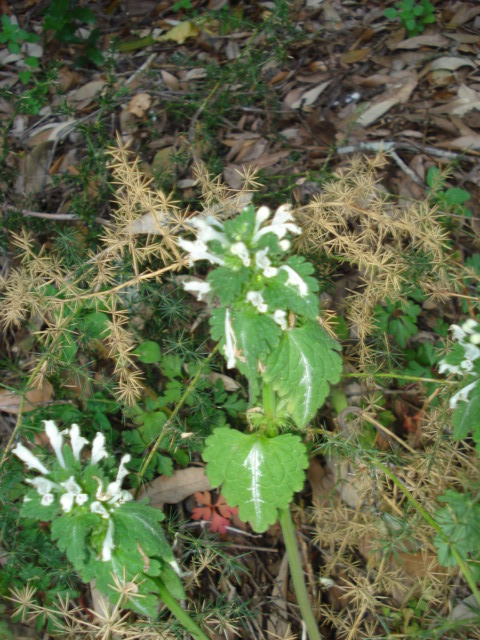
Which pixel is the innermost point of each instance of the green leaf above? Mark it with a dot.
(171, 365)
(148, 352)
(96, 324)
(227, 283)
(391, 14)
(137, 524)
(241, 227)
(25, 76)
(435, 178)
(301, 368)
(466, 417)
(256, 336)
(456, 195)
(258, 474)
(71, 532)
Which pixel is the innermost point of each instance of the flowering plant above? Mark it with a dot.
(106, 535)
(464, 360)
(264, 313)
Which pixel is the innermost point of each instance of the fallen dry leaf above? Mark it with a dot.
(139, 104)
(399, 93)
(10, 402)
(174, 489)
(308, 97)
(180, 32)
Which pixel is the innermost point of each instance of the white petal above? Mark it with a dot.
(475, 339)
(283, 214)
(56, 440)
(202, 289)
(98, 448)
(261, 260)
(82, 498)
(198, 250)
(469, 325)
(67, 501)
(262, 215)
(97, 507)
(29, 459)
(295, 280)
(462, 394)
(47, 499)
(42, 485)
(457, 332)
(77, 441)
(71, 486)
(108, 545)
(285, 245)
(240, 249)
(122, 469)
(207, 231)
(280, 317)
(256, 298)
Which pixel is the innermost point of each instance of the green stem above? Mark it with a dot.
(296, 571)
(464, 568)
(181, 615)
(269, 404)
(397, 376)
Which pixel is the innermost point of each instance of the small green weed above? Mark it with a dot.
(64, 18)
(413, 15)
(16, 39)
(449, 199)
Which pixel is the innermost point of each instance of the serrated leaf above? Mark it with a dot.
(301, 368)
(466, 417)
(258, 474)
(71, 533)
(241, 227)
(227, 283)
(137, 524)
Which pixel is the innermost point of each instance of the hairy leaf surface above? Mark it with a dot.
(301, 368)
(258, 474)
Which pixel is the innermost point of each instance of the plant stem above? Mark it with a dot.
(269, 404)
(464, 568)
(181, 615)
(397, 376)
(296, 571)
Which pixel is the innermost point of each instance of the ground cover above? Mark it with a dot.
(123, 128)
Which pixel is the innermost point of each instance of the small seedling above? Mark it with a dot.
(15, 38)
(449, 199)
(413, 15)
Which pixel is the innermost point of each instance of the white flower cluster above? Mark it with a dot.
(209, 229)
(468, 336)
(70, 492)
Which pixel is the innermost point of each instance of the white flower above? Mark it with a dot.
(122, 469)
(262, 262)
(108, 545)
(295, 280)
(97, 507)
(230, 341)
(202, 289)
(475, 339)
(261, 216)
(29, 459)
(285, 245)
(256, 298)
(280, 318)
(451, 368)
(470, 325)
(66, 502)
(207, 231)
(98, 448)
(198, 250)
(240, 249)
(462, 394)
(47, 499)
(42, 485)
(56, 440)
(81, 498)
(77, 441)
(71, 486)
(280, 225)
